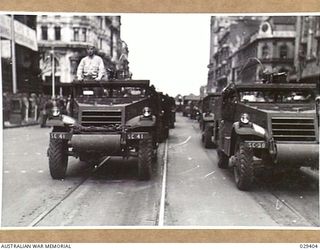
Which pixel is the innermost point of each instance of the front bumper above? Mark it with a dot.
(108, 144)
(288, 155)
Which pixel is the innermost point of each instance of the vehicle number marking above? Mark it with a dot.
(135, 136)
(61, 136)
(255, 144)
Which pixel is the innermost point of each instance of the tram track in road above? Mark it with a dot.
(298, 194)
(44, 214)
(160, 221)
(65, 200)
(290, 201)
(282, 202)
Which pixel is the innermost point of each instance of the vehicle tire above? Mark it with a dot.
(223, 162)
(160, 133)
(145, 159)
(155, 155)
(208, 137)
(166, 133)
(243, 169)
(58, 158)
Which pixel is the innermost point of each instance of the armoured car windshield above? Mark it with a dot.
(209, 104)
(126, 92)
(277, 96)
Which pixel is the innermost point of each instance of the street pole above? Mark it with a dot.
(297, 48)
(1, 65)
(53, 75)
(13, 57)
(1, 94)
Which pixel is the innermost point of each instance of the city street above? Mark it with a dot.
(187, 188)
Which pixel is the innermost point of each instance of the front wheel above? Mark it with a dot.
(208, 137)
(58, 158)
(145, 159)
(223, 160)
(243, 169)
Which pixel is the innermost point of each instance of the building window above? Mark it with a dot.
(100, 43)
(75, 34)
(44, 32)
(84, 34)
(100, 20)
(265, 51)
(318, 50)
(306, 25)
(57, 33)
(283, 51)
(111, 43)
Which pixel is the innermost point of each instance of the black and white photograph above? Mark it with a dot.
(160, 120)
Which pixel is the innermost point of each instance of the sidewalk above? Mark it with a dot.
(30, 122)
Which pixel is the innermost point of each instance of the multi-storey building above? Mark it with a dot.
(26, 55)
(219, 26)
(269, 49)
(66, 37)
(227, 35)
(307, 50)
(20, 72)
(247, 46)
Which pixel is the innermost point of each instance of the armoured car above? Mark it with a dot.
(267, 125)
(106, 118)
(190, 106)
(208, 122)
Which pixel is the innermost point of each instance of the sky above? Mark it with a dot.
(170, 50)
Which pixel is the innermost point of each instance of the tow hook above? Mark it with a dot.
(272, 147)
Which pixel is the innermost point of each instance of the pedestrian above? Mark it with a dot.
(48, 105)
(91, 67)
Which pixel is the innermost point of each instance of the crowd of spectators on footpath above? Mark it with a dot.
(24, 109)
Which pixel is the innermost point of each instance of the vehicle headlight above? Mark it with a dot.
(55, 111)
(245, 118)
(68, 120)
(146, 112)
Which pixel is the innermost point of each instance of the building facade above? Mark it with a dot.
(245, 47)
(227, 35)
(66, 37)
(26, 55)
(307, 50)
(20, 72)
(269, 49)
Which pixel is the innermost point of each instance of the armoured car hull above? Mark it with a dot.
(279, 134)
(114, 124)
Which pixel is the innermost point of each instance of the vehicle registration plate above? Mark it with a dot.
(255, 144)
(136, 136)
(60, 136)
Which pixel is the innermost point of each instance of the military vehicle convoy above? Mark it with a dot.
(190, 106)
(270, 125)
(209, 125)
(108, 118)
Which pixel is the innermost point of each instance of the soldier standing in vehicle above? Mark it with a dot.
(91, 67)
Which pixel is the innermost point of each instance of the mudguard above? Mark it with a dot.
(209, 118)
(139, 121)
(253, 129)
(60, 121)
(55, 123)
